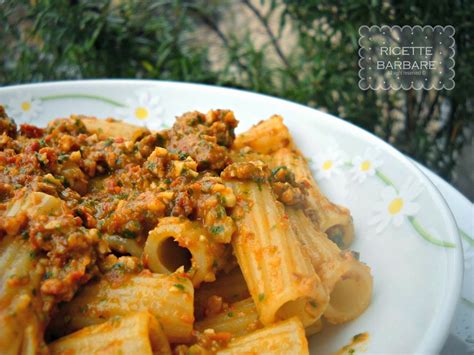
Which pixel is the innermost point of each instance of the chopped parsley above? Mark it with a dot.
(222, 199)
(118, 266)
(129, 234)
(151, 165)
(230, 314)
(181, 278)
(25, 235)
(63, 157)
(108, 142)
(182, 155)
(217, 229)
(40, 158)
(277, 169)
(122, 196)
(49, 181)
(220, 211)
(180, 287)
(47, 275)
(313, 304)
(261, 297)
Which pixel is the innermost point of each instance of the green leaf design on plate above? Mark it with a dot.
(427, 236)
(82, 96)
(467, 302)
(466, 237)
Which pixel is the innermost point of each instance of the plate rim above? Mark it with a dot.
(436, 335)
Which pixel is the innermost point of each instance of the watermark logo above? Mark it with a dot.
(394, 57)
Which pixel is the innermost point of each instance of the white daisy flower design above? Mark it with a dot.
(327, 163)
(24, 107)
(145, 106)
(395, 206)
(365, 165)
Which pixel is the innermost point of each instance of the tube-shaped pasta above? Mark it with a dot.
(21, 329)
(351, 295)
(124, 245)
(138, 333)
(238, 319)
(347, 280)
(279, 274)
(265, 137)
(34, 204)
(21, 309)
(283, 338)
(112, 128)
(178, 242)
(332, 219)
(231, 287)
(314, 328)
(168, 297)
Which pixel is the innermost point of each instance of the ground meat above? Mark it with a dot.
(285, 187)
(7, 126)
(252, 170)
(281, 180)
(103, 187)
(204, 137)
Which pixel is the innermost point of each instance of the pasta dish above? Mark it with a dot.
(191, 240)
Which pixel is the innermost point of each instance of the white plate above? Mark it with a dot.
(417, 282)
(461, 337)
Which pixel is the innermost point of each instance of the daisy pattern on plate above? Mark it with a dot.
(395, 205)
(144, 106)
(365, 165)
(24, 107)
(327, 163)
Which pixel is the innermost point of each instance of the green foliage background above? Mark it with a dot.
(171, 39)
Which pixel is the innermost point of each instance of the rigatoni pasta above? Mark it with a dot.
(272, 138)
(112, 128)
(266, 137)
(285, 337)
(238, 319)
(20, 311)
(228, 287)
(116, 239)
(169, 298)
(138, 333)
(280, 276)
(332, 219)
(177, 243)
(347, 280)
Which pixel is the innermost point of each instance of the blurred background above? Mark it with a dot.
(304, 51)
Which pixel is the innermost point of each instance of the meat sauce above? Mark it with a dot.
(109, 186)
(112, 186)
